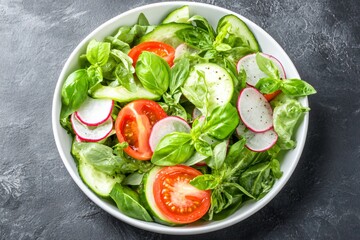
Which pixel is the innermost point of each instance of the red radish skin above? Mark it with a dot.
(254, 110)
(91, 134)
(166, 126)
(94, 112)
(253, 73)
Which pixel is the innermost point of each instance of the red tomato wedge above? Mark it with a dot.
(176, 198)
(271, 96)
(163, 50)
(133, 125)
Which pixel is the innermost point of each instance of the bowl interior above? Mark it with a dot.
(155, 13)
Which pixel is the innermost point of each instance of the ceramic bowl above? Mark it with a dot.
(155, 13)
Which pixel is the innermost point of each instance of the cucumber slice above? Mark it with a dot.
(218, 81)
(147, 196)
(179, 15)
(237, 27)
(97, 181)
(166, 33)
(121, 94)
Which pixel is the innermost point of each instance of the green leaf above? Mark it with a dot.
(95, 76)
(205, 182)
(258, 179)
(196, 38)
(236, 53)
(219, 155)
(118, 44)
(297, 88)
(195, 158)
(74, 91)
(201, 22)
(268, 85)
(103, 159)
(285, 116)
(179, 73)
(203, 147)
(235, 152)
(128, 203)
(98, 52)
(221, 122)
(197, 93)
(267, 66)
(275, 168)
(153, 72)
(124, 71)
(142, 20)
(174, 148)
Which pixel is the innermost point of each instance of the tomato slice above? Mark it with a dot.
(163, 50)
(271, 96)
(176, 198)
(133, 125)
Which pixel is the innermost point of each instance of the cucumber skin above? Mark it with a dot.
(144, 201)
(171, 17)
(254, 45)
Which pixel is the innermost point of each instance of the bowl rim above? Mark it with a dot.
(154, 227)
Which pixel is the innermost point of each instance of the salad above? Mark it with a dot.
(180, 122)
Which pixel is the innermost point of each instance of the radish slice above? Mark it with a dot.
(94, 112)
(253, 72)
(165, 126)
(91, 134)
(254, 110)
(257, 142)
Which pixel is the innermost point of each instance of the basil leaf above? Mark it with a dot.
(268, 85)
(219, 154)
(153, 72)
(258, 179)
(118, 44)
(267, 66)
(201, 22)
(197, 93)
(236, 53)
(195, 158)
(235, 152)
(179, 73)
(221, 122)
(124, 71)
(95, 76)
(98, 52)
(174, 148)
(203, 147)
(108, 68)
(205, 182)
(195, 37)
(297, 88)
(74, 91)
(142, 20)
(127, 201)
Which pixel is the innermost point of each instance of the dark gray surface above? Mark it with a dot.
(39, 200)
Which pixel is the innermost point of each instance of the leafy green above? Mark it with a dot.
(98, 52)
(297, 88)
(286, 116)
(259, 179)
(221, 122)
(74, 92)
(202, 23)
(197, 93)
(128, 202)
(124, 71)
(205, 182)
(219, 155)
(173, 149)
(267, 66)
(179, 73)
(196, 38)
(153, 72)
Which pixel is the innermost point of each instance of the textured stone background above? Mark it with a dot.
(39, 200)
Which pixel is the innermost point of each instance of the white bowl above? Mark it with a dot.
(154, 13)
